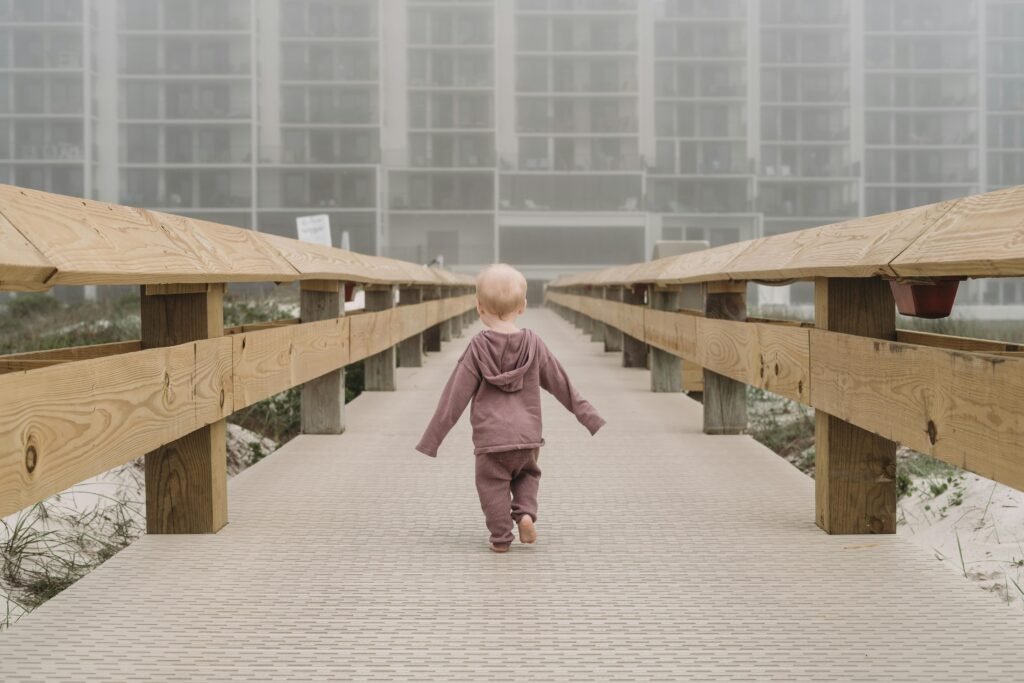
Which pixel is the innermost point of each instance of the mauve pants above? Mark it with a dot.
(503, 476)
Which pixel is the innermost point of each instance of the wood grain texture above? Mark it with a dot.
(323, 398)
(271, 361)
(774, 358)
(943, 341)
(962, 408)
(187, 483)
(725, 398)
(982, 236)
(855, 468)
(186, 479)
(702, 266)
(21, 264)
(87, 417)
(92, 242)
(862, 247)
(32, 360)
(315, 261)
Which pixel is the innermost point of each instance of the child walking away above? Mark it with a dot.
(502, 373)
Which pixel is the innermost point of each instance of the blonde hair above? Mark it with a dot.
(501, 289)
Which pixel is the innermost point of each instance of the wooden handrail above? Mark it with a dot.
(71, 414)
(873, 386)
(48, 239)
(978, 236)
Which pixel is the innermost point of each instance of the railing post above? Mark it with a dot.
(666, 368)
(855, 470)
(446, 324)
(725, 399)
(432, 335)
(467, 316)
(612, 334)
(410, 351)
(692, 298)
(323, 399)
(586, 324)
(597, 327)
(634, 351)
(379, 369)
(456, 320)
(186, 479)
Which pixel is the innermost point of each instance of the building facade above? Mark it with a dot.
(558, 135)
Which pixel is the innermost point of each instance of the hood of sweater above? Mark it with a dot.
(504, 359)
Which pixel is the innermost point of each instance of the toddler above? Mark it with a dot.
(502, 373)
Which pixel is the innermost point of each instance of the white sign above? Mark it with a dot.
(315, 229)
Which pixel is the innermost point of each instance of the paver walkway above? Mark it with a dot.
(664, 554)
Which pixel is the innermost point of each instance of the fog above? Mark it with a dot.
(558, 135)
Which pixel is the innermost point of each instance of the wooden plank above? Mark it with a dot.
(271, 361)
(323, 398)
(702, 266)
(32, 360)
(379, 338)
(92, 242)
(855, 468)
(412, 321)
(666, 368)
(773, 358)
(632, 313)
(963, 408)
(179, 288)
(612, 333)
(435, 310)
(944, 341)
(21, 264)
(314, 261)
(186, 479)
(256, 327)
(371, 333)
(982, 236)
(673, 332)
(725, 398)
(84, 418)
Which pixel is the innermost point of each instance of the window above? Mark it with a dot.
(140, 14)
(66, 96)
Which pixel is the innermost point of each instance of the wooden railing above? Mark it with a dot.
(873, 386)
(71, 414)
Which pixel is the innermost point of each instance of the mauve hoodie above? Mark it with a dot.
(503, 375)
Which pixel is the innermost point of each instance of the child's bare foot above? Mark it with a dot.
(499, 548)
(527, 530)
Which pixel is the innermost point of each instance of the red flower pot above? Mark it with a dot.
(925, 300)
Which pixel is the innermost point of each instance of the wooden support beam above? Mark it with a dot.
(446, 324)
(855, 470)
(725, 399)
(666, 368)
(379, 369)
(432, 335)
(410, 349)
(612, 334)
(186, 479)
(456, 320)
(323, 399)
(597, 328)
(634, 350)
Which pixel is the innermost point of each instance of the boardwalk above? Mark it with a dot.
(664, 554)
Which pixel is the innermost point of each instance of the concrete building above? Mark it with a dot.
(554, 134)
